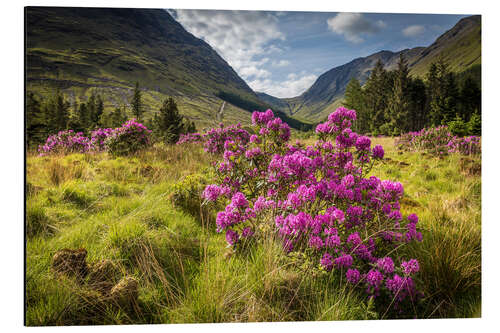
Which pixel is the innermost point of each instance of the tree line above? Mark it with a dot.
(46, 115)
(393, 102)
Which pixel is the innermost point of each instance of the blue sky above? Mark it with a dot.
(283, 53)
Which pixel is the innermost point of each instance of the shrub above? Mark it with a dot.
(187, 194)
(438, 141)
(213, 140)
(474, 124)
(458, 126)
(317, 200)
(98, 138)
(128, 139)
(65, 142)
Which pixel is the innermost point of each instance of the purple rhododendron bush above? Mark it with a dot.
(438, 141)
(318, 201)
(131, 137)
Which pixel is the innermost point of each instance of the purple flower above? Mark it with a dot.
(378, 151)
(363, 143)
(232, 236)
(211, 192)
(316, 242)
(239, 201)
(411, 266)
(374, 278)
(247, 232)
(344, 261)
(326, 261)
(386, 265)
(352, 275)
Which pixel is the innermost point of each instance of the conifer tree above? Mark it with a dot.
(470, 98)
(418, 116)
(443, 93)
(399, 105)
(136, 103)
(98, 111)
(377, 90)
(36, 130)
(354, 99)
(168, 122)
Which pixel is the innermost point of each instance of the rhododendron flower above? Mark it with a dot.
(411, 266)
(386, 265)
(326, 261)
(344, 261)
(352, 275)
(232, 236)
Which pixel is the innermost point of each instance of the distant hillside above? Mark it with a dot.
(460, 47)
(107, 50)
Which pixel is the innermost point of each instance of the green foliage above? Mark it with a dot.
(474, 124)
(391, 103)
(398, 110)
(186, 194)
(136, 102)
(129, 139)
(168, 123)
(458, 126)
(36, 128)
(354, 99)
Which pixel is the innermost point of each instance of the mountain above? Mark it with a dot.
(106, 50)
(459, 46)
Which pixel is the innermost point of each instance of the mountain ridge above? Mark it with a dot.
(106, 50)
(457, 46)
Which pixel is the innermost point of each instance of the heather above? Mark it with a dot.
(153, 215)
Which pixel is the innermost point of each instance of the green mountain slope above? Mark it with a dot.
(460, 47)
(106, 50)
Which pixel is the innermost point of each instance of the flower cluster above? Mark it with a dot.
(470, 145)
(190, 138)
(66, 142)
(98, 138)
(130, 137)
(318, 200)
(440, 141)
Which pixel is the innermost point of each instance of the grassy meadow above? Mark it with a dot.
(142, 213)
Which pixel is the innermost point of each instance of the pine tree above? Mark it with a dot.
(98, 111)
(84, 118)
(74, 121)
(377, 91)
(470, 98)
(117, 117)
(168, 122)
(36, 130)
(443, 93)
(474, 124)
(418, 116)
(399, 105)
(136, 103)
(354, 99)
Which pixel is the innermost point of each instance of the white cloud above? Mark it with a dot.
(353, 25)
(242, 38)
(413, 30)
(293, 86)
(281, 63)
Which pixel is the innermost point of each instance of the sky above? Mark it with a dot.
(283, 53)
